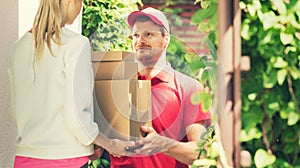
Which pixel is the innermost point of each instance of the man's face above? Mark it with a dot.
(148, 42)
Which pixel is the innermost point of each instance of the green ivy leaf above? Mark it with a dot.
(242, 5)
(253, 133)
(295, 72)
(207, 102)
(245, 31)
(189, 57)
(289, 112)
(269, 80)
(267, 38)
(252, 96)
(290, 49)
(293, 118)
(268, 19)
(279, 4)
(204, 162)
(279, 62)
(205, 4)
(283, 164)
(284, 113)
(204, 153)
(281, 75)
(96, 163)
(297, 34)
(196, 65)
(204, 76)
(294, 22)
(212, 48)
(201, 15)
(105, 162)
(263, 158)
(214, 150)
(196, 98)
(272, 108)
(251, 10)
(286, 38)
(252, 117)
(201, 143)
(205, 27)
(204, 98)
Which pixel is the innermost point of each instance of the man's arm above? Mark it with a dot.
(184, 152)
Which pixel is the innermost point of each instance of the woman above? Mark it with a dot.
(52, 92)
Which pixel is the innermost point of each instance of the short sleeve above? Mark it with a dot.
(192, 113)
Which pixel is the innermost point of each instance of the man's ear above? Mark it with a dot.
(166, 41)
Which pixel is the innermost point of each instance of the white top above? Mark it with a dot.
(52, 99)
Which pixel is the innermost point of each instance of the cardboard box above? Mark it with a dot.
(122, 106)
(112, 56)
(141, 113)
(115, 70)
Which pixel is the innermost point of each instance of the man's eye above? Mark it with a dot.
(135, 35)
(149, 34)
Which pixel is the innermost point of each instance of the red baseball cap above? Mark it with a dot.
(155, 15)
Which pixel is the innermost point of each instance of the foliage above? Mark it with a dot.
(271, 89)
(206, 19)
(104, 22)
(208, 150)
(203, 68)
(175, 55)
(99, 163)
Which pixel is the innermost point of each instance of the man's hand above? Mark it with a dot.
(153, 142)
(98, 150)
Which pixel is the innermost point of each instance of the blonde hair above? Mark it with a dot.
(47, 25)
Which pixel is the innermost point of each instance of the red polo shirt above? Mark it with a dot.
(172, 112)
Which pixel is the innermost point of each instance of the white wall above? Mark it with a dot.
(27, 11)
(16, 17)
(8, 34)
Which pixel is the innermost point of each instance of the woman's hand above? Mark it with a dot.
(117, 148)
(98, 150)
(114, 146)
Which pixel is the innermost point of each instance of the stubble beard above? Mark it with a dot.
(146, 58)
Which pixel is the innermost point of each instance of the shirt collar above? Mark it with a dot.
(165, 75)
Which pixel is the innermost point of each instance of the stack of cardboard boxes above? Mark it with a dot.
(122, 103)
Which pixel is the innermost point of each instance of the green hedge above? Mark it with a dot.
(271, 89)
